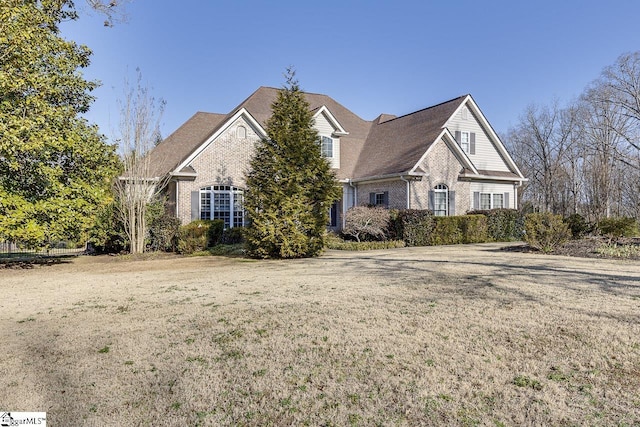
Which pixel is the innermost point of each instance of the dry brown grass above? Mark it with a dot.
(458, 335)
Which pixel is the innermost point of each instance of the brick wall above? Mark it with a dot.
(443, 168)
(224, 162)
(397, 193)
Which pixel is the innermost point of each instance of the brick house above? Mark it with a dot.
(446, 158)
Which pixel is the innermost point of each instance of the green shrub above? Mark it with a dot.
(447, 231)
(412, 226)
(545, 231)
(215, 232)
(233, 236)
(578, 225)
(163, 233)
(363, 246)
(504, 225)
(474, 228)
(199, 235)
(618, 227)
(452, 230)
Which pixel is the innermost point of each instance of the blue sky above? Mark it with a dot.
(371, 56)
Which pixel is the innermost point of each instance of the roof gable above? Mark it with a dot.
(484, 124)
(180, 144)
(395, 146)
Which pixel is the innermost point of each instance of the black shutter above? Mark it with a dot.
(385, 199)
(472, 143)
(506, 200)
(476, 200)
(452, 203)
(372, 199)
(195, 205)
(432, 201)
(458, 137)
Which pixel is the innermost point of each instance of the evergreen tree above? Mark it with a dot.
(55, 169)
(290, 187)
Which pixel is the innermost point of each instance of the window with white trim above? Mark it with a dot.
(223, 202)
(491, 201)
(485, 201)
(498, 201)
(465, 141)
(241, 132)
(326, 146)
(441, 200)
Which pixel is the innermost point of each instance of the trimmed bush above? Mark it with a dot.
(474, 228)
(413, 226)
(545, 231)
(578, 225)
(453, 230)
(199, 235)
(447, 231)
(233, 236)
(618, 227)
(504, 225)
(214, 234)
(364, 246)
(163, 233)
(366, 223)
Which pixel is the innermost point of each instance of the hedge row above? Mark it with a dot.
(421, 228)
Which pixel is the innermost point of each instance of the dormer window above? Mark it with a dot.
(326, 146)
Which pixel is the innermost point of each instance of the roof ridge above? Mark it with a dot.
(426, 108)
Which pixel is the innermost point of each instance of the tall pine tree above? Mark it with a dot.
(290, 187)
(55, 169)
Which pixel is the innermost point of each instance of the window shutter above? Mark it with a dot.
(195, 205)
(472, 143)
(385, 198)
(476, 200)
(432, 202)
(372, 199)
(452, 203)
(506, 200)
(458, 137)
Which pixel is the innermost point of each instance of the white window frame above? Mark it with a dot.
(379, 199)
(234, 216)
(465, 141)
(494, 204)
(326, 141)
(439, 191)
(492, 201)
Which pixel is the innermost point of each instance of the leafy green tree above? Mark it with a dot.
(290, 186)
(55, 168)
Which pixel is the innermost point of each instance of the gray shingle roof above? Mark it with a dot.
(396, 145)
(386, 145)
(167, 155)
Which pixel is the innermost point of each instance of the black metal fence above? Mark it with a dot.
(17, 250)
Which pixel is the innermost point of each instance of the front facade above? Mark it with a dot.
(446, 158)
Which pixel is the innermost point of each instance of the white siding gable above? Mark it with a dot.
(486, 154)
(325, 128)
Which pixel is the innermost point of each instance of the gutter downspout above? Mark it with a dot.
(402, 178)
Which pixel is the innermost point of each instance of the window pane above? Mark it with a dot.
(222, 207)
(327, 146)
(205, 205)
(440, 203)
(485, 201)
(464, 141)
(379, 198)
(497, 201)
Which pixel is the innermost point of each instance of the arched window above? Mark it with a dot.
(241, 132)
(441, 200)
(223, 202)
